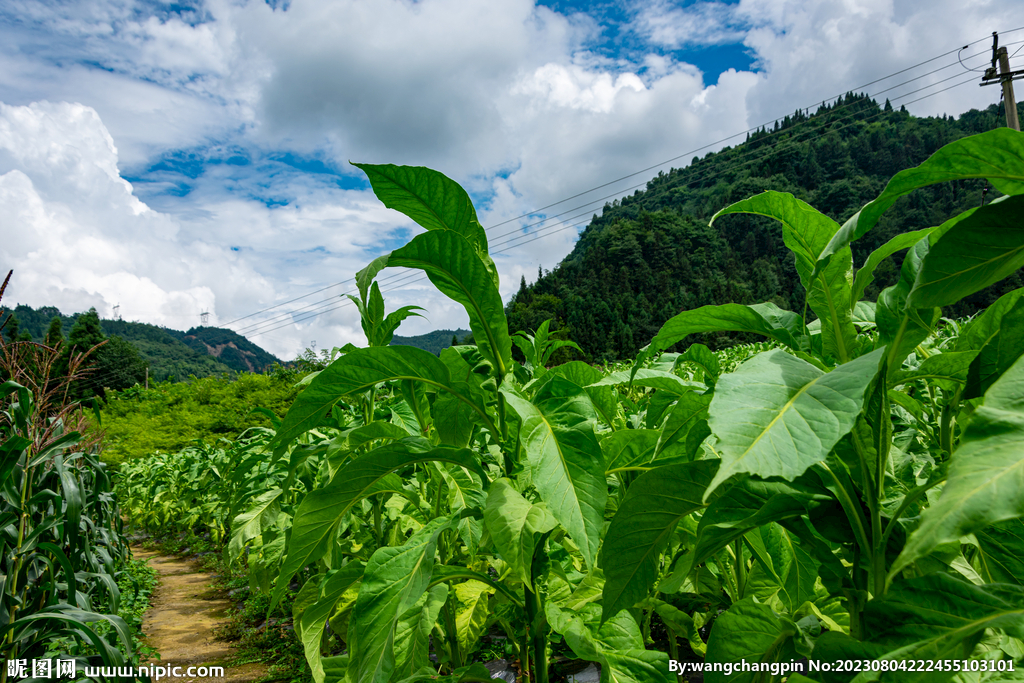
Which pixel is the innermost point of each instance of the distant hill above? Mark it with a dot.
(171, 354)
(230, 348)
(653, 254)
(435, 341)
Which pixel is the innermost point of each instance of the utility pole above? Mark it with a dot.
(147, 377)
(1006, 78)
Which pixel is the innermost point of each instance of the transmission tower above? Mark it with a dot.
(204, 317)
(117, 312)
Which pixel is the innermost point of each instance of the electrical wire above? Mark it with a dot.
(644, 170)
(764, 151)
(547, 232)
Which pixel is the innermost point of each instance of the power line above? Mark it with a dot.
(761, 152)
(546, 232)
(552, 230)
(644, 170)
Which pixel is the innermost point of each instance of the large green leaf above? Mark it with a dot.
(746, 632)
(900, 326)
(866, 273)
(516, 525)
(980, 248)
(642, 526)
(655, 379)
(764, 319)
(566, 463)
(455, 268)
(790, 564)
(250, 524)
(983, 328)
(629, 448)
(412, 632)
(999, 354)
(363, 369)
(309, 627)
(932, 617)
(1001, 552)
(777, 415)
(997, 155)
(985, 483)
(472, 614)
(744, 506)
(616, 644)
(321, 510)
(582, 374)
(703, 358)
(806, 231)
(393, 582)
(684, 428)
(942, 367)
(429, 197)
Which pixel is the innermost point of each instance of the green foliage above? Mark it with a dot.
(63, 557)
(171, 416)
(171, 354)
(849, 488)
(653, 254)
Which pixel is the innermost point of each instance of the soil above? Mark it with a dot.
(179, 624)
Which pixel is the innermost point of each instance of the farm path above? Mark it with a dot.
(179, 624)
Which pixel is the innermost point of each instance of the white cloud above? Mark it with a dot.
(699, 24)
(83, 239)
(507, 97)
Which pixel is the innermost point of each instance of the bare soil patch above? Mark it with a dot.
(179, 624)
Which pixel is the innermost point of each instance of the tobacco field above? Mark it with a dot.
(850, 488)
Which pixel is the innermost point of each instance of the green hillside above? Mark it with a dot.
(171, 354)
(653, 254)
(435, 342)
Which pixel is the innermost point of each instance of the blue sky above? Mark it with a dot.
(180, 157)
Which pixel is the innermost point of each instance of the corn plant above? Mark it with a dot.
(61, 546)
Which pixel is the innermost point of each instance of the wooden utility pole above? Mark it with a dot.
(1006, 78)
(147, 377)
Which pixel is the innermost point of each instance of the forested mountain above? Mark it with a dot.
(653, 254)
(435, 341)
(170, 354)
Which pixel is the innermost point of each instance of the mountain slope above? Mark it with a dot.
(653, 254)
(435, 341)
(171, 354)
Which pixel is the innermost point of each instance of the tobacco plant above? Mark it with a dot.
(850, 489)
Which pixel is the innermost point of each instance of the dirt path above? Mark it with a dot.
(180, 620)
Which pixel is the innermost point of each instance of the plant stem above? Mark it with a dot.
(741, 569)
(453, 636)
(376, 522)
(673, 649)
(536, 623)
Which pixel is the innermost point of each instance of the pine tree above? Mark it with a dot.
(55, 333)
(86, 332)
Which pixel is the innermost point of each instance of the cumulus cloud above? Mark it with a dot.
(512, 99)
(81, 238)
